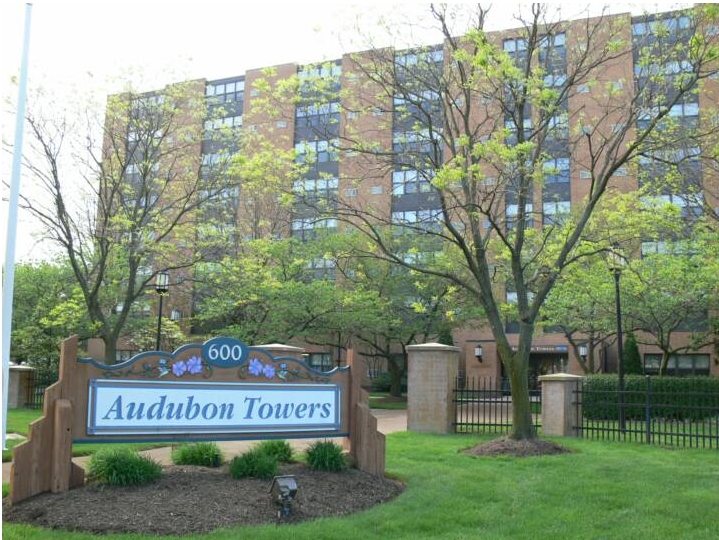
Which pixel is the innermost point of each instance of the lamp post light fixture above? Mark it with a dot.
(616, 265)
(162, 285)
(583, 351)
(478, 353)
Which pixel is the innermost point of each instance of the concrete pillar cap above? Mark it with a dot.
(432, 347)
(559, 377)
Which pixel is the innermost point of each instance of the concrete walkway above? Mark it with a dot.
(388, 421)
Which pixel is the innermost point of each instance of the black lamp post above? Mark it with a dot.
(616, 265)
(162, 285)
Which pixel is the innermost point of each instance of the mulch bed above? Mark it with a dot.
(523, 448)
(192, 500)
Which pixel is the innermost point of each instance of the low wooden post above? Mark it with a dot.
(61, 464)
(367, 443)
(44, 461)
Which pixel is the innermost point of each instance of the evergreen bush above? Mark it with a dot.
(281, 450)
(254, 463)
(631, 357)
(383, 383)
(122, 467)
(204, 454)
(326, 456)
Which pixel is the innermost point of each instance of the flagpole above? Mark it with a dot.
(9, 274)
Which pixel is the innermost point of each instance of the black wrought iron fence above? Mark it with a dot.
(35, 390)
(484, 405)
(650, 411)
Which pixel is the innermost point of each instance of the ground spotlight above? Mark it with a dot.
(282, 491)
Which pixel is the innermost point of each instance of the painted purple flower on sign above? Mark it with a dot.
(179, 368)
(269, 371)
(255, 367)
(194, 365)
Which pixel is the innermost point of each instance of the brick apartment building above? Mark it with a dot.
(318, 124)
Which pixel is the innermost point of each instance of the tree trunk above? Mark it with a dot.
(517, 369)
(522, 423)
(110, 349)
(663, 363)
(395, 387)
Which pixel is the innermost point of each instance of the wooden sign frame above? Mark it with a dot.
(220, 363)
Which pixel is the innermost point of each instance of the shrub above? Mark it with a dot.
(670, 398)
(632, 359)
(326, 456)
(281, 450)
(383, 383)
(253, 463)
(123, 467)
(205, 454)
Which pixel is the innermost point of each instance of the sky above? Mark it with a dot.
(87, 50)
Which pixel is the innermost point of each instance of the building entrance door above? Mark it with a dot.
(540, 363)
(545, 363)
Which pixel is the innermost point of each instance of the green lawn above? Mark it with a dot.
(383, 400)
(18, 420)
(603, 490)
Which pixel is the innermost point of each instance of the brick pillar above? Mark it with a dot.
(432, 375)
(560, 413)
(19, 381)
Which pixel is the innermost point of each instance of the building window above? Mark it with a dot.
(678, 364)
(226, 122)
(410, 59)
(428, 218)
(650, 28)
(226, 92)
(512, 213)
(320, 187)
(315, 151)
(410, 181)
(515, 45)
(556, 170)
(621, 172)
(555, 212)
(308, 228)
(322, 268)
(323, 71)
(319, 361)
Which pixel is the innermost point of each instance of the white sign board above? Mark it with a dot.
(132, 407)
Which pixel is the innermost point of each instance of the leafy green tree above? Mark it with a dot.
(47, 308)
(582, 304)
(278, 290)
(414, 309)
(121, 196)
(482, 124)
(671, 292)
(143, 337)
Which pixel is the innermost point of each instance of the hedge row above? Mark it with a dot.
(670, 398)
